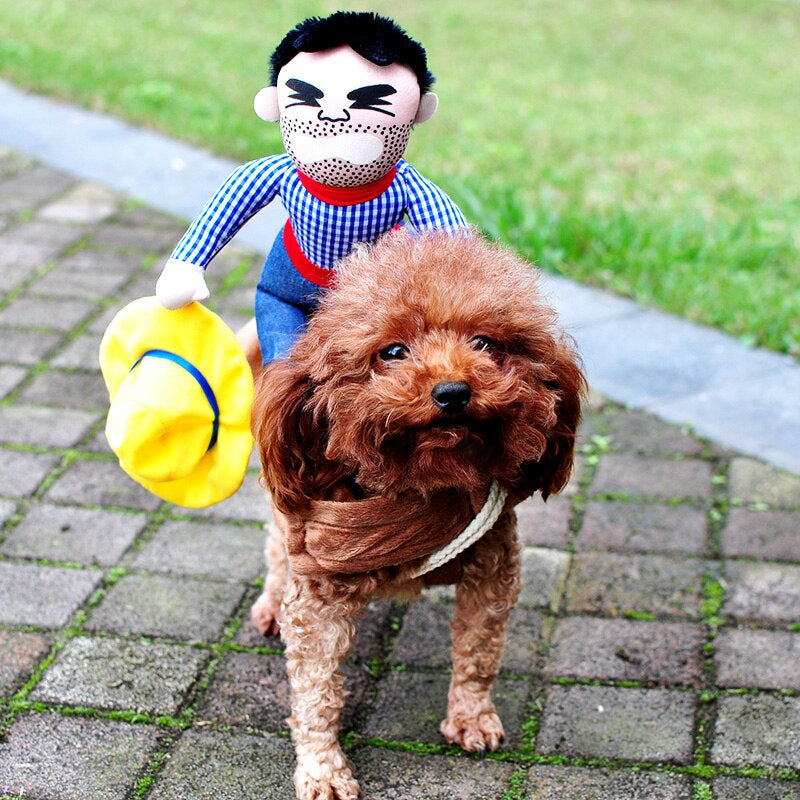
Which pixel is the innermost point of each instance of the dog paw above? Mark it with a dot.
(264, 615)
(340, 785)
(474, 734)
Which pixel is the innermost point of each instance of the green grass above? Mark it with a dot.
(647, 146)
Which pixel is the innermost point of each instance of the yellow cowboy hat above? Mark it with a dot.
(181, 394)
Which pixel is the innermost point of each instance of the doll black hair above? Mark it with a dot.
(376, 38)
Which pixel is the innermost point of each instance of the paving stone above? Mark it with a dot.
(763, 591)
(574, 486)
(80, 535)
(80, 353)
(19, 263)
(103, 483)
(141, 238)
(85, 203)
(31, 187)
(108, 674)
(252, 689)
(754, 482)
(644, 433)
(757, 729)
(248, 635)
(544, 573)
(175, 608)
(21, 472)
(140, 215)
(98, 262)
(582, 783)
(63, 282)
(98, 444)
(607, 722)
(7, 509)
(524, 641)
(757, 658)
(634, 527)
(648, 476)
(67, 390)
(99, 324)
(27, 347)
(144, 285)
(249, 689)
(48, 427)
(544, 524)
(773, 535)
(373, 631)
(54, 235)
(617, 584)
(424, 640)
(38, 312)
(10, 378)
(410, 707)
(19, 654)
(200, 548)
(206, 765)
(43, 596)
(248, 503)
(627, 650)
(65, 758)
(391, 775)
(755, 789)
(593, 423)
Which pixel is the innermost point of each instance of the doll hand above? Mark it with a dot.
(181, 284)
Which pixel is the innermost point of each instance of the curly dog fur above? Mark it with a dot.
(435, 362)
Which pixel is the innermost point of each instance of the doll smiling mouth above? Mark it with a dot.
(355, 148)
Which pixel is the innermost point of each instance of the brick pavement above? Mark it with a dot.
(653, 655)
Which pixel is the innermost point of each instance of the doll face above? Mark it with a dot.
(344, 120)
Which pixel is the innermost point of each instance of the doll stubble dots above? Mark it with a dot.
(339, 171)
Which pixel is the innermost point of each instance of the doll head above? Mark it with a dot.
(347, 90)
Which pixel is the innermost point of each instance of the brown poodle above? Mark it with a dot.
(430, 389)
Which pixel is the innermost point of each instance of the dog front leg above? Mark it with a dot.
(318, 629)
(484, 599)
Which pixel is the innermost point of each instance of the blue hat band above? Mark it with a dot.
(198, 376)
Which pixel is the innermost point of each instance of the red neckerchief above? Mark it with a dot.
(347, 195)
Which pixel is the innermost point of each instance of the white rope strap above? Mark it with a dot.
(483, 521)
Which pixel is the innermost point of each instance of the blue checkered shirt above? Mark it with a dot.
(325, 232)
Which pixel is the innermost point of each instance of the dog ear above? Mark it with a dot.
(551, 472)
(290, 437)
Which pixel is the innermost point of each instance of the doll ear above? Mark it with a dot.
(428, 104)
(266, 104)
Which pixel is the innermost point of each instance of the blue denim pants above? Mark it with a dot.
(284, 299)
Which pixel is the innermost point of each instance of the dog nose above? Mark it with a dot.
(451, 396)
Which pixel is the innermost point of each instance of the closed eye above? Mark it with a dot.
(306, 94)
(371, 97)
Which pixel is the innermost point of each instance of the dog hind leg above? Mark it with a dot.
(265, 613)
(484, 599)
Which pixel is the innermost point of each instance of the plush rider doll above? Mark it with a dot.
(347, 89)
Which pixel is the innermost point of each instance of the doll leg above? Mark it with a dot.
(278, 324)
(484, 599)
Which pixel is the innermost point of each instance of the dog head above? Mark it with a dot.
(434, 363)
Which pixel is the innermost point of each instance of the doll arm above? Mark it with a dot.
(245, 192)
(428, 207)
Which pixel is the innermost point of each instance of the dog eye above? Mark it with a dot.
(482, 343)
(394, 352)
